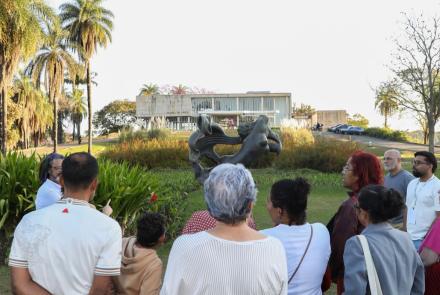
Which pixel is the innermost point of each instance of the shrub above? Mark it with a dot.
(300, 150)
(325, 155)
(133, 191)
(386, 133)
(128, 135)
(150, 154)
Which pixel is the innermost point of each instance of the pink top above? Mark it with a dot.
(432, 239)
(202, 220)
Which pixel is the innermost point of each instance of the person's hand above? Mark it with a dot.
(107, 210)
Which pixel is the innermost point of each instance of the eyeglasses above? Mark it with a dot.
(417, 163)
(389, 159)
(347, 168)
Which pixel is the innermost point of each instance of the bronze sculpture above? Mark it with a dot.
(256, 139)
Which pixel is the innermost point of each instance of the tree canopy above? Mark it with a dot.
(115, 116)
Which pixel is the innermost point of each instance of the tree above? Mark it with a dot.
(417, 67)
(115, 116)
(50, 65)
(149, 89)
(179, 90)
(90, 26)
(421, 120)
(78, 110)
(358, 120)
(22, 25)
(303, 110)
(386, 101)
(33, 105)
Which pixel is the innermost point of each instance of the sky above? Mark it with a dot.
(329, 54)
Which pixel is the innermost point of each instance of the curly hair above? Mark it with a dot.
(150, 227)
(46, 164)
(367, 168)
(291, 195)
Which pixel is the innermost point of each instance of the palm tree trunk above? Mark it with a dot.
(4, 112)
(55, 125)
(89, 105)
(73, 131)
(79, 132)
(386, 121)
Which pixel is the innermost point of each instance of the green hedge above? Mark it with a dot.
(300, 150)
(386, 133)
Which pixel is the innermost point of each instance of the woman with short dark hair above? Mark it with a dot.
(398, 265)
(307, 245)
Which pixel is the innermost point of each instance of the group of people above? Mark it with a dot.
(66, 246)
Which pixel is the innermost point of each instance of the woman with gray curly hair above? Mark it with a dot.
(231, 258)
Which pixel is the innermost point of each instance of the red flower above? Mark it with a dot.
(153, 197)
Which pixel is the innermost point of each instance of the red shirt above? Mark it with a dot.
(202, 220)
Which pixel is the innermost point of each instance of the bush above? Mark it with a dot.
(325, 155)
(150, 154)
(128, 135)
(386, 133)
(300, 150)
(133, 191)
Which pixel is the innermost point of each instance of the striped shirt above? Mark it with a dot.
(204, 264)
(65, 245)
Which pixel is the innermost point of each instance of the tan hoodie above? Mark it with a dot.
(141, 270)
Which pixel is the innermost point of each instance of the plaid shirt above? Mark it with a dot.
(201, 221)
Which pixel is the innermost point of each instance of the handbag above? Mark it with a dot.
(302, 258)
(373, 279)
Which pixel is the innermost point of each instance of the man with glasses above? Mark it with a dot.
(396, 178)
(422, 197)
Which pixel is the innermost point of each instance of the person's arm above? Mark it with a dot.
(429, 257)
(152, 281)
(418, 287)
(22, 283)
(405, 218)
(344, 227)
(355, 278)
(102, 285)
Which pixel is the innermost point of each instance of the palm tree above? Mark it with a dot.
(386, 101)
(90, 26)
(34, 118)
(149, 89)
(50, 65)
(78, 110)
(21, 31)
(179, 90)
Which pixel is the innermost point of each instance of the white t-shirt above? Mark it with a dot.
(204, 264)
(48, 193)
(308, 279)
(422, 201)
(65, 245)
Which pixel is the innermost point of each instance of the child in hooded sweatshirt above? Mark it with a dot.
(141, 270)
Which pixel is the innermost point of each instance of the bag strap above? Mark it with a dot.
(373, 279)
(305, 252)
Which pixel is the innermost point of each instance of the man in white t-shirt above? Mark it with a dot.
(50, 172)
(69, 247)
(422, 197)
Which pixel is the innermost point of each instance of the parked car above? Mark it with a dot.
(332, 128)
(343, 126)
(355, 130)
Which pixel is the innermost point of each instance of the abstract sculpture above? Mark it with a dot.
(254, 139)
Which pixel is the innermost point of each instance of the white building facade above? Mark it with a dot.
(228, 110)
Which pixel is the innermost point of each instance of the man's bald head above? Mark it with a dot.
(392, 161)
